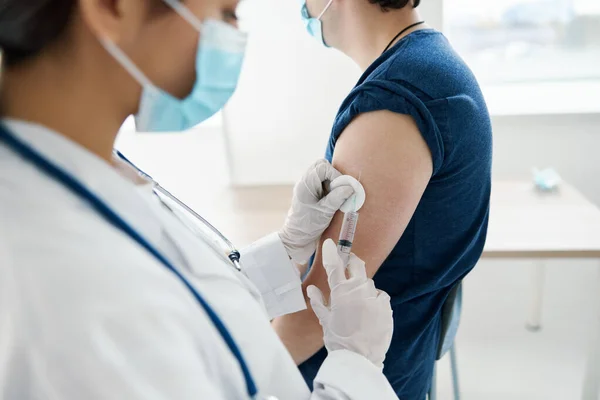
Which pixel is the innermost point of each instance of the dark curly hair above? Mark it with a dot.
(395, 4)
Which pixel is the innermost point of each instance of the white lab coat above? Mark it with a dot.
(86, 313)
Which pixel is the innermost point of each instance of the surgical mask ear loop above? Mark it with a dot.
(185, 13)
(322, 12)
(231, 39)
(126, 62)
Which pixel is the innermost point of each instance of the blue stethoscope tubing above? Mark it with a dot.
(61, 176)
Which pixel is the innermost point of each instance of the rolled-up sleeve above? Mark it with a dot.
(268, 266)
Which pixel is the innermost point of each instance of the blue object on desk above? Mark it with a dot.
(546, 179)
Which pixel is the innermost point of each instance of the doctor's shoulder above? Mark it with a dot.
(57, 248)
(83, 315)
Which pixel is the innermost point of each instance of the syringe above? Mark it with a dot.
(347, 235)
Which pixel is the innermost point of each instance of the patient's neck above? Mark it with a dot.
(373, 30)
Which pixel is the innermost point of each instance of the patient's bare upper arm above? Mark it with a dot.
(388, 153)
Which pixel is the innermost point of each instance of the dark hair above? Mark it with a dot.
(395, 4)
(27, 26)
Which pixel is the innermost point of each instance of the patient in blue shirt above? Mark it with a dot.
(421, 76)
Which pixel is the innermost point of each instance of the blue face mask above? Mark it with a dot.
(219, 60)
(314, 26)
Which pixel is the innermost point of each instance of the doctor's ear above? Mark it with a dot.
(121, 21)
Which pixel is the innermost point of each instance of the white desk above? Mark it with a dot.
(525, 223)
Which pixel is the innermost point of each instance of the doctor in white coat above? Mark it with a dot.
(104, 293)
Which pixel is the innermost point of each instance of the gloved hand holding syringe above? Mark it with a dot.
(350, 209)
(355, 316)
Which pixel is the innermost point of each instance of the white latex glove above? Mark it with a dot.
(312, 210)
(358, 317)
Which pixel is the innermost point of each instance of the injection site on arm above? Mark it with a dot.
(394, 163)
(350, 209)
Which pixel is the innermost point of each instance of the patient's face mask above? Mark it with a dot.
(219, 61)
(314, 26)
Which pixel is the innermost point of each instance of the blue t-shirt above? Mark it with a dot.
(423, 77)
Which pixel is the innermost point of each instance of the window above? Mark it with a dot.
(514, 41)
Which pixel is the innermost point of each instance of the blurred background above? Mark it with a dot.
(539, 65)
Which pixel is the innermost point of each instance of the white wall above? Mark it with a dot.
(432, 13)
(569, 143)
(288, 96)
